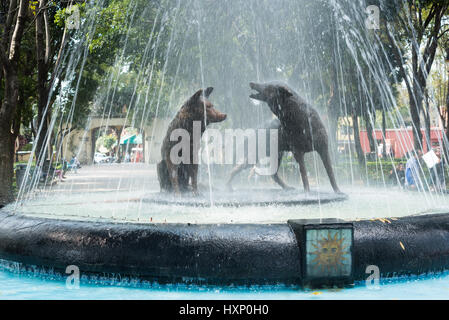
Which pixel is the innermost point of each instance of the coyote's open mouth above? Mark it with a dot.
(258, 88)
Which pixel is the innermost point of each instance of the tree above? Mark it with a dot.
(48, 61)
(420, 23)
(34, 65)
(10, 50)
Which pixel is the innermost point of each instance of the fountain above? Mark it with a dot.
(113, 219)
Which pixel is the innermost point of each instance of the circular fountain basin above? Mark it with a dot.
(216, 253)
(246, 198)
(260, 205)
(136, 231)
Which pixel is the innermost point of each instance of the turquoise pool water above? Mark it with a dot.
(29, 286)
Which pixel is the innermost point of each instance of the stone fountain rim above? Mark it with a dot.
(216, 253)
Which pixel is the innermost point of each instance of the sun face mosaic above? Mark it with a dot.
(328, 253)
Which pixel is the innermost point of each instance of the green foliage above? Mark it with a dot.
(379, 171)
(63, 13)
(27, 147)
(114, 70)
(109, 141)
(146, 57)
(106, 141)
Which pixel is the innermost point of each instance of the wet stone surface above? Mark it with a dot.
(246, 197)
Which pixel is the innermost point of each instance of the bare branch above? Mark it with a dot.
(47, 32)
(398, 56)
(7, 30)
(443, 33)
(3, 59)
(432, 13)
(58, 60)
(430, 52)
(18, 31)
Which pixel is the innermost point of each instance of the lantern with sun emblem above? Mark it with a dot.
(326, 251)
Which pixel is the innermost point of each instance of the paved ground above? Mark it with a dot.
(123, 192)
(110, 177)
(139, 177)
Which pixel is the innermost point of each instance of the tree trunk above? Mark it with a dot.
(41, 138)
(384, 134)
(9, 61)
(415, 107)
(117, 151)
(370, 133)
(42, 85)
(358, 144)
(427, 124)
(7, 137)
(445, 120)
(446, 143)
(6, 165)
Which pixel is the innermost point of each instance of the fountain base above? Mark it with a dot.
(246, 197)
(220, 253)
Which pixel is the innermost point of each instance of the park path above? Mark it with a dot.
(109, 177)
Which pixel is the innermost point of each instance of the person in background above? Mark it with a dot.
(65, 167)
(74, 164)
(438, 174)
(412, 171)
(397, 176)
